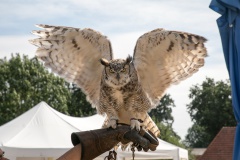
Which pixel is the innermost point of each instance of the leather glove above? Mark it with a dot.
(96, 142)
(142, 140)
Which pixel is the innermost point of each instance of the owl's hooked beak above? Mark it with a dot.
(118, 76)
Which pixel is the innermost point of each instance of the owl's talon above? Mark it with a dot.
(135, 124)
(112, 123)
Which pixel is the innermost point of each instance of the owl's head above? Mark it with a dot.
(117, 72)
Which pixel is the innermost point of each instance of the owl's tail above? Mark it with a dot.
(150, 125)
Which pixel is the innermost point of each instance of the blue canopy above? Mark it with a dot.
(229, 28)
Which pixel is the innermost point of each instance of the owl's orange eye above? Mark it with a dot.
(111, 71)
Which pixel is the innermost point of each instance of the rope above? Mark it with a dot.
(111, 156)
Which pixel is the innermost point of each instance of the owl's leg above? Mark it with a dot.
(113, 122)
(113, 119)
(135, 124)
(136, 121)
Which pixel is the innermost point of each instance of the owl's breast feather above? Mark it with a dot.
(118, 96)
(124, 116)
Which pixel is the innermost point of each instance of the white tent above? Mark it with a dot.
(44, 132)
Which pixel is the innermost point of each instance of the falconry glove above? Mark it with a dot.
(96, 142)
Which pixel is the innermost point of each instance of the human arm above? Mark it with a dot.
(90, 144)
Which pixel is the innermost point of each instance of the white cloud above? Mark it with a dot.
(123, 44)
(25, 10)
(16, 44)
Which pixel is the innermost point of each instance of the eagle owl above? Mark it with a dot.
(123, 89)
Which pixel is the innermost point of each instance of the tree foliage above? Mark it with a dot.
(163, 112)
(162, 115)
(78, 105)
(210, 110)
(24, 83)
(197, 137)
(169, 135)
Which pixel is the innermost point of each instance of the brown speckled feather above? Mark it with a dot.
(163, 58)
(74, 54)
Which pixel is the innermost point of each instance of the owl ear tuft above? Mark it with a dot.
(104, 62)
(129, 59)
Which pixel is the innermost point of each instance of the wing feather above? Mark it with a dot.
(74, 55)
(162, 58)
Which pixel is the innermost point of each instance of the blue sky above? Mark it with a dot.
(123, 22)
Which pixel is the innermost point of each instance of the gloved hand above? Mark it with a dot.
(96, 142)
(143, 139)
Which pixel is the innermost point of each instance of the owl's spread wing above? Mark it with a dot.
(162, 58)
(74, 55)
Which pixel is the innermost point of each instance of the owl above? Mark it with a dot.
(124, 90)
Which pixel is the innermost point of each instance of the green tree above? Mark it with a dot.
(210, 110)
(162, 116)
(78, 106)
(163, 112)
(24, 83)
(169, 135)
(197, 137)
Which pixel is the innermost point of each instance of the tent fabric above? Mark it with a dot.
(48, 125)
(45, 132)
(229, 28)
